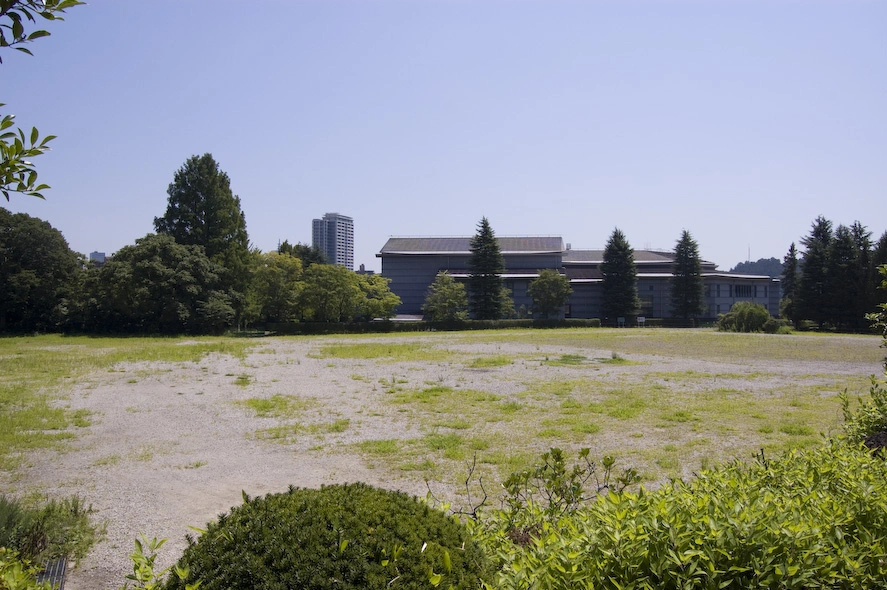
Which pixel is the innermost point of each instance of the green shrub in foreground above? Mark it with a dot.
(349, 536)
(815, 518)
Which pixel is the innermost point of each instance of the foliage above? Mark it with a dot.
(330, 294)
(558, 489)
(770, 267)
(446, 300)
(38, 272)
(340, 536)
(813, 297)
(17, 173)
(789, 285)
(377, 302)
(275, 286)
(744, 316)
(550, 292)
(486, 265)
(307, 254)
(687, 296)
(58, 528)
(203, 211)
(620, 278)
(143, 569)
(812, 518)
(160, 286)
(17, 573)
(842, 287)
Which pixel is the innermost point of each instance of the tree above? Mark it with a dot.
(275, 287)
(841, 284)
(620, 284)
(550, 292)
(38, 274)
(486, 265)
(446, 300)
(770, 267)
(330, 293)
(378, 301)
(307, 254)
(160, 286)
(788, 303)
(687, 295)
(17, 173)
(813, 297)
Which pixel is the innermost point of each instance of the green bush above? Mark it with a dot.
(350, 536)
(17, 573)
(777, 326)
(815, 518)
(744, 316)
(58, 528)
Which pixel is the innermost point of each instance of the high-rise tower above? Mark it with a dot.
(334, 236)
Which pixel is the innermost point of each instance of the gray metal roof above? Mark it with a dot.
(462, 245)
(597, 256)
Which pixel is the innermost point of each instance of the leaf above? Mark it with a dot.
(35, 135)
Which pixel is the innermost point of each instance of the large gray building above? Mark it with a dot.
(334, 236)
(413, 263)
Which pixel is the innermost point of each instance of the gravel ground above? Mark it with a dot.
(167, 449)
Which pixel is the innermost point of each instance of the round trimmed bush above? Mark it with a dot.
(350, 536)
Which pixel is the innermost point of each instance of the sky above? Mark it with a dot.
(739, 121)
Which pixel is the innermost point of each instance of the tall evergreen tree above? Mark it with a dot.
(202, 211)
(687, 295)
(841, 284)
(879, 258)
(813, 298)
(487, 299)
(864, 276)
(788, 304)
(620, 285)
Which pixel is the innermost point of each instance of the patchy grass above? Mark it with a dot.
(278, 406)
(384, 351)
(486, 362)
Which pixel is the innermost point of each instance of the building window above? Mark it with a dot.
(744, 291)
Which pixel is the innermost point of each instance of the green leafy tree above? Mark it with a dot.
(770, 267)
(202, 211)
(446, 300)
(788, 305)
(275, 286)
(17, 147)
(39, 274)
(620, 284)
(161, 286)
(879, 259)
(307, 254)
(687, 295)
(330, 293)
(487, 300)
(550, 292)
(813, 296)
(378, 301)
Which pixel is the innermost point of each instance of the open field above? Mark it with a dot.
(160, 434)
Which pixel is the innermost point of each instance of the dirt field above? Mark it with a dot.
(167, 448)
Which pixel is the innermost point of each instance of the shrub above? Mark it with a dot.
(342, 536)
(777, 326)
(17, 573)
(744, 316)
(59, 528)
(814, 518)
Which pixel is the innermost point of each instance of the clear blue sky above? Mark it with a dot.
(740, 121)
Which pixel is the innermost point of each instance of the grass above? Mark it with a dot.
(663, 421)
(35, 373)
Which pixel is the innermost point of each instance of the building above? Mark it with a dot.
(98, 259)
(334, 236)
(413, 263)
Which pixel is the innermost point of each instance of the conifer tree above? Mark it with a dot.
(620, 285)
(812, 288)
(687, 296)
(788, 303)
(487, 298)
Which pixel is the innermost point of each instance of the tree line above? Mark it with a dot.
(834, 281)
(196, 274)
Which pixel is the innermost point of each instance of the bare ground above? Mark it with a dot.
(167, 448)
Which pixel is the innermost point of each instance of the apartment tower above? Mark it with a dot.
(334, 236)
